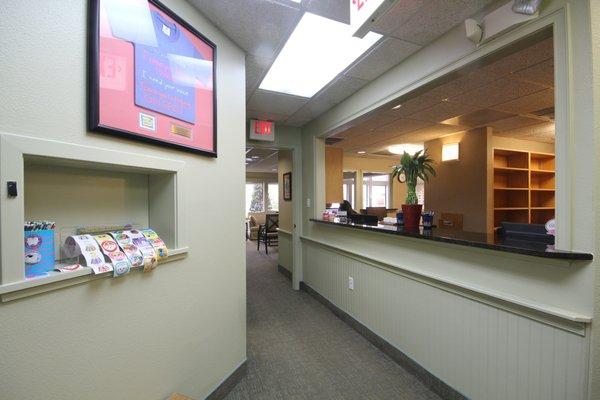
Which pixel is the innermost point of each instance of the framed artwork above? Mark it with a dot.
(287, 186)
(151, 76)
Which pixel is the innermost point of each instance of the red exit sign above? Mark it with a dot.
(262, 130)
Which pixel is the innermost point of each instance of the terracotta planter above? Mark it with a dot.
(412, 215)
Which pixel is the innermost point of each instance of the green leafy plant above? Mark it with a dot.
(412, 167)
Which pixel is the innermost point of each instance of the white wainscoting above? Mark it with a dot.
(484, 352)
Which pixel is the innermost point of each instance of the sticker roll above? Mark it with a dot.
(86, 246)
(131, 250)
(111, 249)
(159, 246)
(148, 252)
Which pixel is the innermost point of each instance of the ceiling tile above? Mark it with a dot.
(436, 17)
(541, 73)
(529, 56)
(396, 16)
(256, 68)
(418, 136)
(541, 133)
(412, 105)
(367, 126)
(337, 10)
(296, 121)
(530, 103)
(498, 91)
(338, 90)
(277, 103)
(265, 115)
(259, 27)
(477, 118)
(513, 123)
(444, 110)
(388, 53)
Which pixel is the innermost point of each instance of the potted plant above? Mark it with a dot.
(412, 167)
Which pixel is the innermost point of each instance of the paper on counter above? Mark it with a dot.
(110, 248)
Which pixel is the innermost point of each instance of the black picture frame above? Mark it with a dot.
(93, 87)
(287, 186)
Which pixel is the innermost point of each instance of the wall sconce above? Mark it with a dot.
(450, 152)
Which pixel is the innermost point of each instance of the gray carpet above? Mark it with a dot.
(297, 349)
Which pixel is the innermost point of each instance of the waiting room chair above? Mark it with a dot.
(267, 233)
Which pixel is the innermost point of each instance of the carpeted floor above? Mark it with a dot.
(297, 349)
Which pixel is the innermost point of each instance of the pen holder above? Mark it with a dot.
(39, 252)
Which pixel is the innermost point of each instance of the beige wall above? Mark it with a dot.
(144, 336)
(285, 206)
(286, 215)
(261, 177)
(372, 164)
(460, 186)
(334, 177)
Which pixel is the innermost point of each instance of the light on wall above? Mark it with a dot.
(450, 152)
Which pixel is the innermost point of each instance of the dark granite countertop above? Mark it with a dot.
(471, 239)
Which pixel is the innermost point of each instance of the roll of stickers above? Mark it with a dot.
(159, 246)
(131, 250)
(148, 252)
(86, 246)
(110, 248)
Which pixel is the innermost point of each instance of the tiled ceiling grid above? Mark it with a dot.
(261, 160)
(514, 95)
(261, 28)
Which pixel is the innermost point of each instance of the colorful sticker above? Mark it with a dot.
(69, 268)
(86, 246)
(131, 251)
(159, 246)
(148, 252)
(110, 248)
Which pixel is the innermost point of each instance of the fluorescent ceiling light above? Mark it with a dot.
(450, 152)
(410, 148)
(316, 52)
(361, 152)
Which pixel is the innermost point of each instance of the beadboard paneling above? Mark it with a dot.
(481, 351)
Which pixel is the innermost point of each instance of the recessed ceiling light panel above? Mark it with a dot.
(316, 52)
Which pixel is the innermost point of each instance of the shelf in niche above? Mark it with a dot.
(55, 280)
(22, 156)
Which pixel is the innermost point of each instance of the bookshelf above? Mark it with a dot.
(524, 186)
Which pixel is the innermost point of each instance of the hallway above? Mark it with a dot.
(297, 349)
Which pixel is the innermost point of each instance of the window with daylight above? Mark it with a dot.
(349, 186)
(272, 197)
(254, 197)
(376, 189)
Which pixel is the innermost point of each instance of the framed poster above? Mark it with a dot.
(151, 76)
(287, 186)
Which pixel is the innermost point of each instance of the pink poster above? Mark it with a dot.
(152, 76)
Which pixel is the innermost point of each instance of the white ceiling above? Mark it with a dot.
(261, 28)
(261, 160)
(512, 93)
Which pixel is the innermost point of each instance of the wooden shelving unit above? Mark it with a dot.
(524, 186)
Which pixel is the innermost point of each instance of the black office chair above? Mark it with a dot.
(267, 233)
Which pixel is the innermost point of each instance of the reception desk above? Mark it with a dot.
(470, 239)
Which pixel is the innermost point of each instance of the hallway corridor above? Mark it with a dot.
(297, 349)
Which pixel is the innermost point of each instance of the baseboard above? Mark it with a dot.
(435, 384)
(284, 271)
(229, 383)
